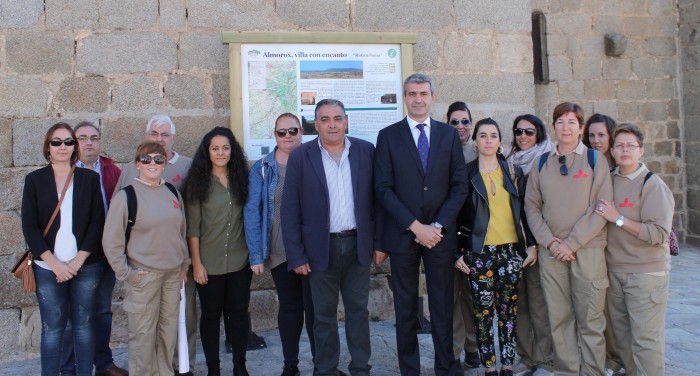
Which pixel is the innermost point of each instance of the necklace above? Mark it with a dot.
(492, 183)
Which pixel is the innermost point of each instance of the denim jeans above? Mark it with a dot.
(102, 324)
(56, 301)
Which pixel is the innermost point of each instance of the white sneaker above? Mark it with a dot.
(609, 372)
(521, 369)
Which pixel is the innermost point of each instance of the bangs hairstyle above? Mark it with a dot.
(631, 129)
(487, 121)
(540, 131)
(610, 125)
(149, 147)
(49, 135)
(562, 108)
(458, 106)
(418, 78)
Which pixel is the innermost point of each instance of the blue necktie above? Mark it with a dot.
(423, 147)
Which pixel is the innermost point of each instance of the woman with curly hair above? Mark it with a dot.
(216, 188)
(497, 246)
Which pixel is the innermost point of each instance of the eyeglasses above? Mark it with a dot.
(528, 131)
(162, 135)
(455, 122)
(283, 132)
(563, 170)
(86, 138)
(56, 142)
(146, 159)
(630, 147)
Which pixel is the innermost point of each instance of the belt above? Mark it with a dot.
(344, 234)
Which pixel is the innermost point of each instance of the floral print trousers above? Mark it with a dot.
(494, 275)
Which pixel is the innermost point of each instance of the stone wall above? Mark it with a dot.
(118, 62)
(689, 42)
(641, 86)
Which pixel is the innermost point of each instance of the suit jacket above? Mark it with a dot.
(39, 200)
(305, 211)
(407, 194)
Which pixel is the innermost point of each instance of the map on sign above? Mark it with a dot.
(272, 86)
(293, 78)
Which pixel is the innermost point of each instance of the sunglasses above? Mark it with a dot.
(528, 131)
(283, 132)
(455, 122)
(563, 170)
(146, 159)
(56, 143)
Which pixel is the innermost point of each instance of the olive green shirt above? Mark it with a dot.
(218, 223)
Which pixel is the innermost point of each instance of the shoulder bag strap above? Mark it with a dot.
(60, 200)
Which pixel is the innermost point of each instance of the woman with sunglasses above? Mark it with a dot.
(534, 342)
(153, 262)
(68, 260)
(496, 249)
(463, 338)
(264, 235)
(460, 117)
(216, 189)
(639, 222)
(597, 134)
(562, 193)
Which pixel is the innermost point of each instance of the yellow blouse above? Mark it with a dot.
(501, 227)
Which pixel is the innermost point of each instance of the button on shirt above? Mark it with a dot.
(415, 132)
(340, 194)
(218, 223)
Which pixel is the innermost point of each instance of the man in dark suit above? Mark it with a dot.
(327, 219)
(420, 182)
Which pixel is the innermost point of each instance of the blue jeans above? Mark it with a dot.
(102, 324)
(56, 301)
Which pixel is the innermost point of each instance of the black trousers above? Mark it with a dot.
(295, 308)
(227, 294)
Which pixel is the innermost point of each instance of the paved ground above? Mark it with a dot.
(682, 338)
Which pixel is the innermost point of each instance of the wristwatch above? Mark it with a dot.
(620, 221)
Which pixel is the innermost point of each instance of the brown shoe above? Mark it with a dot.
(113, 371)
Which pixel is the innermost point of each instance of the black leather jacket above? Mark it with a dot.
(473, 220)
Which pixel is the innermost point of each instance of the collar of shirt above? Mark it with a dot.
(173, 160)
(95, 166)
(161, 182)
(415, 131)
(580, 149)
(346, 149)
(633, 175)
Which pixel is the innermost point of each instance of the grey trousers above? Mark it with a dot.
(347, 277)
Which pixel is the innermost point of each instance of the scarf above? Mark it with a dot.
(525, 159)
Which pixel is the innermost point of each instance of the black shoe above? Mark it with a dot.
(491, 373)
(506, 372)
(239, 369)
(472, 360)
(290, 370)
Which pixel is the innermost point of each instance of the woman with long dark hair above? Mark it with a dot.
(216, 188)
(496, 248)
(598, 135)
(534, 340)
(264, 236)
(69, 259)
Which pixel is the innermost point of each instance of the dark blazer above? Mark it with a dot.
(39, 200)
(407, 194)
(305, 211)
(475, 215)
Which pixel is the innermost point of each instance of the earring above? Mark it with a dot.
(500, 149)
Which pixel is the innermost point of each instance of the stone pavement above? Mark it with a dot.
(682, 338)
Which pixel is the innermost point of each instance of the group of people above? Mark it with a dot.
(567, 254)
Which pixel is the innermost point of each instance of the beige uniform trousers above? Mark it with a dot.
(575, 295)
(637, 307)
(152, 307)
(613, 360)
(534, 339)
(463, 334)
(190, 322)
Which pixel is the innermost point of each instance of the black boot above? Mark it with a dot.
(239, 368)
(290, 370)
(213, 369)
(506, 372)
